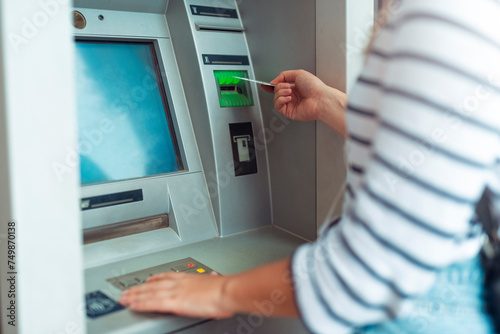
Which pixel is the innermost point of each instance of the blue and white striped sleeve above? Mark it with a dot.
(435, 142)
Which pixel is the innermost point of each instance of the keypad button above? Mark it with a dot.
(183, 267)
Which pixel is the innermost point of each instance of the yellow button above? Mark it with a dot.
(201, 271)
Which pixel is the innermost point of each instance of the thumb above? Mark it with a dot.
(287, 76)
(268, 88)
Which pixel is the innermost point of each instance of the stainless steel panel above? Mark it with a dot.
(156, 199)
(190, 218)
(240, 203)
(116, 23)
(149, 6)
(256, 323)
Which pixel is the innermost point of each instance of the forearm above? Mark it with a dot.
(309, 99)
(267, 290)
(331, 110)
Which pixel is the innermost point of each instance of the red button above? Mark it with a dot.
(190, 265)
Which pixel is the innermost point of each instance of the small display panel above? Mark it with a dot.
(233, 92)
(124, 122)
(226, 13)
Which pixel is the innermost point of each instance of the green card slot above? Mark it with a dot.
(233, 92)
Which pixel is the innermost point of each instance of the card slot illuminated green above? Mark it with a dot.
(233, 92)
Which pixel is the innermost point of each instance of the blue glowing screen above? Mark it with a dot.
(123, 129)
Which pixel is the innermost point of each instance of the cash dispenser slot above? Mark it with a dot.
(122, 229)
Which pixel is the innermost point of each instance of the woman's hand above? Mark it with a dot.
(215, 296)
(301, 96)
(180, 293)
(297, 94)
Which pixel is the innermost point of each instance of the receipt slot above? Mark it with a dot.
(242, 142)
(243, 151)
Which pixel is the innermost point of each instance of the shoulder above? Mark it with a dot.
(461, 34)
(481, 16)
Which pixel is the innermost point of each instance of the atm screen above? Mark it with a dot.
(125, 129)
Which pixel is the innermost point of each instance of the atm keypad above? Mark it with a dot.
(187, 265)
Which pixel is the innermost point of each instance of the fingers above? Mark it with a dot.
(135, 298)
(157, 289)
(154, 305)
(158, 302)
(162, 276)
(158, 286)
(171, 275)
(282, 86)
(179, 293)
(287, 76)
(154, 285)
(268, 88)
(283, 77)
(150, 305)
(282, 95)
(280, 103)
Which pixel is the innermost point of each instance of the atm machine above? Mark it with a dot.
(174, 166)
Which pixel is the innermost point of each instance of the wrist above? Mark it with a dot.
(332, 111)
(332, 101)
(228, 301)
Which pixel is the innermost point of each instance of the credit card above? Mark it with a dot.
(256, 81)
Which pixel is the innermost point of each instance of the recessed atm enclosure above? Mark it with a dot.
(172, 151)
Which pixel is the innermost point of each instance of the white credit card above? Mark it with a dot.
(256, 81)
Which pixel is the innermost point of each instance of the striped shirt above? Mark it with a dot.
(424, 142)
